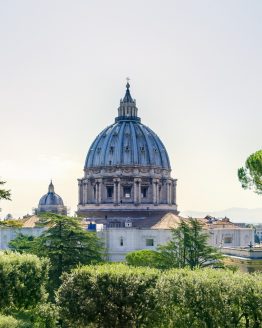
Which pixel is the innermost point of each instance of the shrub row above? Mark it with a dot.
(120, 296)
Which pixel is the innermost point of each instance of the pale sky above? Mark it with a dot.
(196, 74)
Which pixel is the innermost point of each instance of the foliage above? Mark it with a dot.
(118, 295)
(65, 243)
(23, 244)
(11, 223)
(8, 322)
(250, 175)
(22, 280)
(145, 257)
(210, 298)
(4, 194)
(109, 296)
(188, 247)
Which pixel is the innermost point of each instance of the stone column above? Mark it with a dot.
(169, 192)
(115, 191)
(155, 192)
(99, 190)
(174, 191)
(137, 190)
(80, 192)
(118, 191)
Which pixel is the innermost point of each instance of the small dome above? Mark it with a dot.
(127, 141)
(51, 198)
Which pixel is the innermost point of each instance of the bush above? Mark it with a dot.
(109, 296)
(22, 280)
(144, 258)
(8, 322)
(210, 298)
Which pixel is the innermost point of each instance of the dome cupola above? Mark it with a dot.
(127, 141)
(51, 202)
(127, 169)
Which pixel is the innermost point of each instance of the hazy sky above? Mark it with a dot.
(196, 73)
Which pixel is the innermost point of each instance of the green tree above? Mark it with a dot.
(64, 242)
(250, 175)
(4, 194)
(188, 247)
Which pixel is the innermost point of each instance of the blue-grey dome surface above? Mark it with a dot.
(127, 142)
(51, 198)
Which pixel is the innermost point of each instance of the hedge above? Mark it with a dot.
(121, 296)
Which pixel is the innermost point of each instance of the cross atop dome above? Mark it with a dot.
(128, 98)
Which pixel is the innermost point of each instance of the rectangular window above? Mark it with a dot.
(121, 241)
(127, 192)
(143, 192)
(110, 191)
(149, 242)
(228, 240)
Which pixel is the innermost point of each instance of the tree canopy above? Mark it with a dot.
(64, 242)
(4, 194)
(250, 175)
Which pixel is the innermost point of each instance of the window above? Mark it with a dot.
(143, 192)
(127, 192)
(121, 241)
(228, 240)
(149, 242)
(110, 191)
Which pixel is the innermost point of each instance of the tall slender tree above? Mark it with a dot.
(188, 247)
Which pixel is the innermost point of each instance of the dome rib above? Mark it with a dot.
(135, 146)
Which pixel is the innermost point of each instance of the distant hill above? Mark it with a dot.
(235, 214)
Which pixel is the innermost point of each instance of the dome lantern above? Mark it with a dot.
(127, 110)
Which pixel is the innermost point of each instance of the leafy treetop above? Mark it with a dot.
(250, 175)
